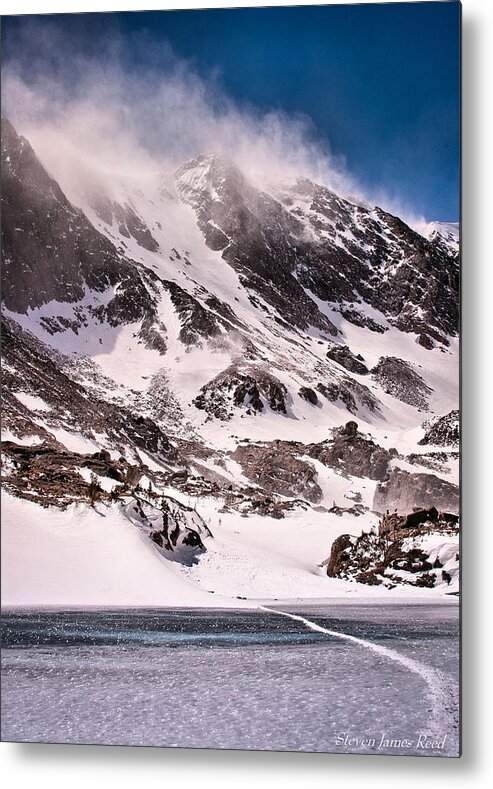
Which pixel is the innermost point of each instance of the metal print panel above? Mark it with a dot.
(230, 426)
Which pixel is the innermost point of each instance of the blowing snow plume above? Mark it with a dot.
(105, 117)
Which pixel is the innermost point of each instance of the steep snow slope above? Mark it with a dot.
(243, 334)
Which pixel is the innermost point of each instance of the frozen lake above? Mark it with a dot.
(384, 680)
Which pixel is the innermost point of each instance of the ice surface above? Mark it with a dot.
(235, 679)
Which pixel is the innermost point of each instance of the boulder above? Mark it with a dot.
(425, 341)
(342, 355)
(338, 555)
(350, 429)
(308, 394)
(418, 517)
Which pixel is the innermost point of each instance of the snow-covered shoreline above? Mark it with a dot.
(85, 557)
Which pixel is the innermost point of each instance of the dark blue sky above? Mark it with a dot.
(380, 82)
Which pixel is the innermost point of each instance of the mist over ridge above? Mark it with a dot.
(102, 119)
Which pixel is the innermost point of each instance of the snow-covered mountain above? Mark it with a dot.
(448, 232)
(256, 354)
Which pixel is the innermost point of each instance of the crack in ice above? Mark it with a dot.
(442, 711)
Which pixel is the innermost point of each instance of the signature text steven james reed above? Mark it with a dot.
(384, 742)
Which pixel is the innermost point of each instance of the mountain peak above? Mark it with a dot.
(208, 171)
(448, 232)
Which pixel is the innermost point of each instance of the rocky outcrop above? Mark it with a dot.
(426, 556)
(346, 358)
(352, 453)
(334, 392)
(51, 251)
(53, 476)
(276, 468)
(254, 234)
(403, 491)
(434, 461)
(176, 531)
(253, 389)
(443, 431)
(129, 223)
(359, 253)
(339, 555)
(286, 241)
(359, 318)
(351, 393)
(425, 341)
(281, 467)
(395, 524)
(399, 379)
(29, 367)
(201, 321)
(308, 394)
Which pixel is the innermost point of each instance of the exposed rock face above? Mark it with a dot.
(52, 251)
(253, 232)
(350, 392)
(43, 475)
(49, 475)
(434, 461)
(276, 469)
(443, 431)
(201, 321)
(29, 368)
(252, 389)
(359, 318)
(400, 380)
(369, 252)
(278, 466)
(403, 491)
(306, 235)
(349, 452)
(346, 358)
(333, 392)
(130, 224)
